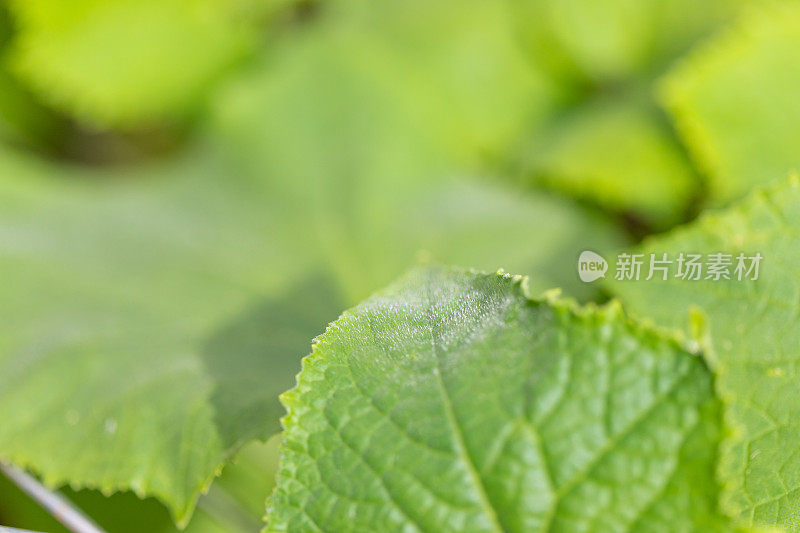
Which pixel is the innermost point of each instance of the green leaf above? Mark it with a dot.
(448, 72)
(126, 62)
(618, 154)
(455, 68)
(146, 334)
(453, 401)
(334, 124)
(734, 101)
(755, 333)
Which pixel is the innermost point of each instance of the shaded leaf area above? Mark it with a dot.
(734, 101)
(616, 153)
(753, 329)
(244, 397)
(22, 119)
(452, 401)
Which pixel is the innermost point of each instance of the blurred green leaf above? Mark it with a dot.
(127, 62)
(245, 380)
(608, 143)
(249, 478)
(735, 101)
(480, 225)
(609, 41)
(340, 128)
(127, 345)
(753, 331)
(454, 68)
(448, 71)
(619, 154)
(451, 401)
(23, 120)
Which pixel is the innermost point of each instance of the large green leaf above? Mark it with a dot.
(127, 62)
(755, 333)
(452, 401)
(735, 103)
(144, 331)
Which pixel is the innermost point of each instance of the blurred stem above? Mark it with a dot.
(54, 503)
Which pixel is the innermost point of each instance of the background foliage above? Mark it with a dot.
(190, 190)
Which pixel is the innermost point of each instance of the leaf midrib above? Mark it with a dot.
(461, 447)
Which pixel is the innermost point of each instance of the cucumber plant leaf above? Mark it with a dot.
(734, 101)
(453, 401)
(754, 330)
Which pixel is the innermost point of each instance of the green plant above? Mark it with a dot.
(190, 190)
(454, 401)
(542, 415)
